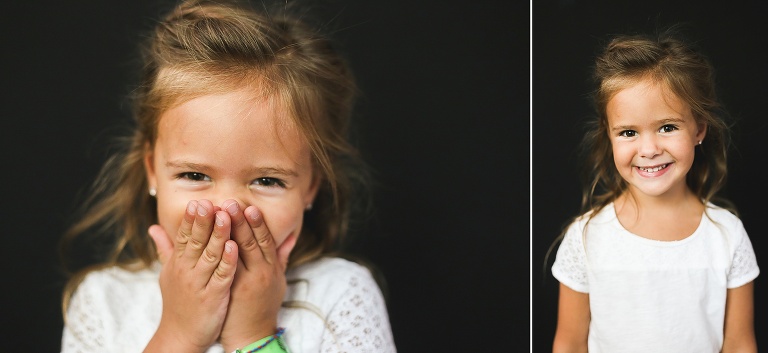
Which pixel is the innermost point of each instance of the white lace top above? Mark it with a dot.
(656, 296)
(115, 310)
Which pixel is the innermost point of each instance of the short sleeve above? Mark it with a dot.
(113, 310)
(744, 264)
(84, 331)
(359, 322)
(570, 262)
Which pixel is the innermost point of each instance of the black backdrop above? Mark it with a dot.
(444, 124)
(566, 35)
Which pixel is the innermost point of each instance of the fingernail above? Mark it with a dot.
(219, 221)
(228, 248)
(255, 215)
(191, 207)
(233, 208)
(201, 210)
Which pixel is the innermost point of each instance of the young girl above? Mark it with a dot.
(654, 265)
(238, 170)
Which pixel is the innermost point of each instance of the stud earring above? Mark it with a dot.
(152, 192)
(309, 207)
(699, 141)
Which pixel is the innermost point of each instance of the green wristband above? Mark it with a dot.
(269, 344)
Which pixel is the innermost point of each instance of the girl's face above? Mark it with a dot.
(653, 135)
(232, 146)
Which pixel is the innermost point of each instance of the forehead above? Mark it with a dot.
(233, 110)
(646, 100)
(231, 127)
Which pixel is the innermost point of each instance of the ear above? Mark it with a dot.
(313, 188)
(149, 165)
(702, 132)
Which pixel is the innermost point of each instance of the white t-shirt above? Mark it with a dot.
(114, 310)
(656, 296)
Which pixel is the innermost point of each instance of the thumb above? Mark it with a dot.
(284, 250)
(162, 242)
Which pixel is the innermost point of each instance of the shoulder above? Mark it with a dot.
(594, 219)
(327, 283)
(110, 284)
(118, 279)
(725, 220)
(743, 267)
(113, 306)
(721, 213)
(331, 272)
(345, 307)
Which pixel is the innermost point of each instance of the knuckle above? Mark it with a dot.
(182, 237)
(250, 244)
(264, 239)
(196, 244)
(209, 256)
(184, 232)
(221, 273)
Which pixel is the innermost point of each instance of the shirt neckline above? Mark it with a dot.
(611, 210)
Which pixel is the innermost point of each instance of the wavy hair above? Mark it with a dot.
(669, 60)
(206, 47)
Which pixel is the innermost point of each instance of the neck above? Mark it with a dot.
(670, 200)
(666, 217)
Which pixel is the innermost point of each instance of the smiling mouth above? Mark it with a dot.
(653, 169)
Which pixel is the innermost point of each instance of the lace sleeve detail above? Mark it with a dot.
(570, 263)
(113, 310)
(744, 265)
(84, 331)
(359, 321)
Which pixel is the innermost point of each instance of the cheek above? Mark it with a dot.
(622, 154)
(685, 150)
(170, 213)
(283, 221)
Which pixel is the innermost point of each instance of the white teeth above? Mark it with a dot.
(653, 170)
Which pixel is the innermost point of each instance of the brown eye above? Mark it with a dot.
(269, 182)
(194, 176)
(628, 133)
(668, 128)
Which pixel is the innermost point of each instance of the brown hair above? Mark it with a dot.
(679, 66)
(686, 73)
(205, 47)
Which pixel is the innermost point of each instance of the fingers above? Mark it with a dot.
(213, 252)
(200, 232)
(224, 274)
(185, 228)
(201, 236)
(198, 274)
(261, 233)
(163, 244)
(249, 230)
(241, 231)
(248, 247)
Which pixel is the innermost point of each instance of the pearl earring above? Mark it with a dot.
(309, 207)
(699, 141)
(152, 192)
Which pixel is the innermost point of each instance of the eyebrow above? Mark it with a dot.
(206, 169)
(664, 121)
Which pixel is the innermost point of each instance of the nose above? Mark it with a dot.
(224, 195)
(649, 146)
